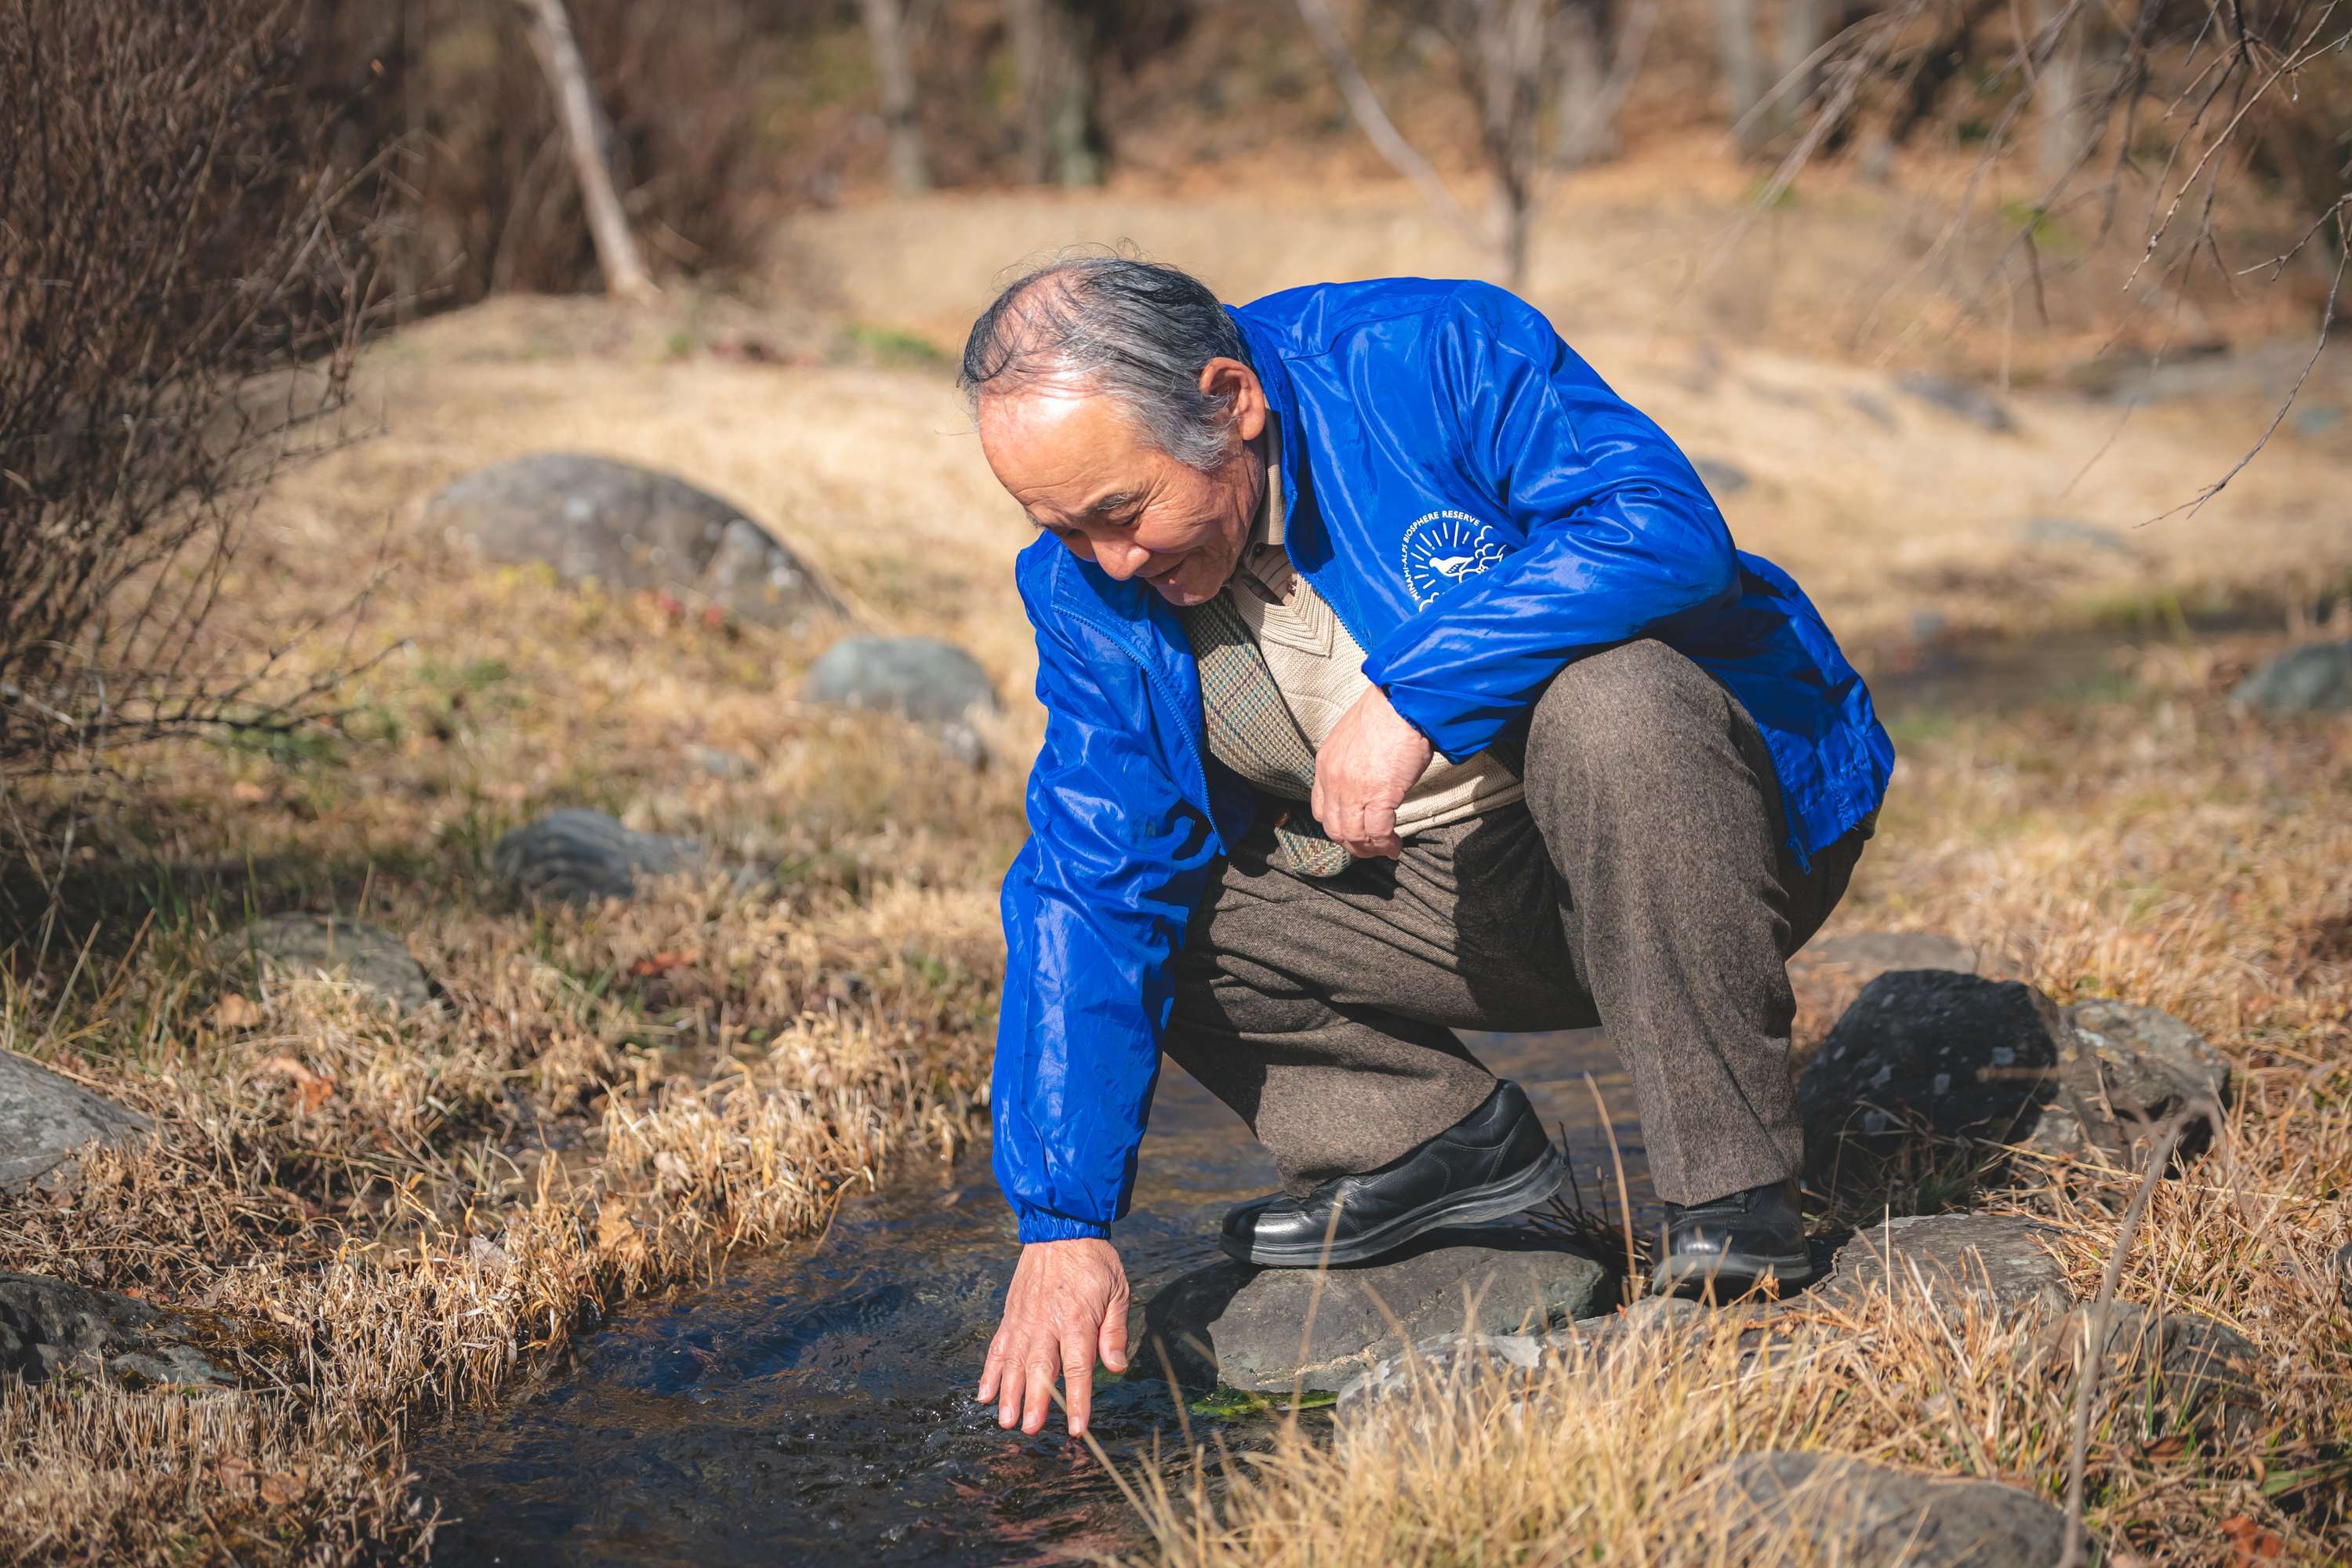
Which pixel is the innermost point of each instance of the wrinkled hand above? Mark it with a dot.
(1067, 1300)
(1363, 771)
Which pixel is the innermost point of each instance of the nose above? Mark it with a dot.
(1121, 559)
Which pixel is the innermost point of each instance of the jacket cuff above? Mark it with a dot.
(1036, 1225)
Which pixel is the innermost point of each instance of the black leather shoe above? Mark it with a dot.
(1495, 1162)
(1730, 1246)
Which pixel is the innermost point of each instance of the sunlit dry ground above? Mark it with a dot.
(390, 1216)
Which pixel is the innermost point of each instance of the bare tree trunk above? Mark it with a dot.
(886, 25)
(1742, 64)
(1053, 61)
(1800, 35)
(585, 128)
(1507, 39)
(2058, 89)
(1588, 121)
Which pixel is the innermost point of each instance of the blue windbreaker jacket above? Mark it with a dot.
(1479, 508)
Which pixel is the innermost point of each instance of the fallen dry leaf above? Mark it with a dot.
(312, 1088)
(662, 964)
(2250, 1543)
(233, 1011)
(617, 1236)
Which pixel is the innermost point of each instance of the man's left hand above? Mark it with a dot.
(1363, 771)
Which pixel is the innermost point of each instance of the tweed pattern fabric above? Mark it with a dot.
(1251, 731)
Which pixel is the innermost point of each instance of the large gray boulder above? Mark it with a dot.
(368, 958)
(1996, 1262)
(2316, 678)
(582, 857)
(628, 528)
(1954, 1058)
(1832, 1509)
(48, 1327)
(45, 1118)
(1248, 1328)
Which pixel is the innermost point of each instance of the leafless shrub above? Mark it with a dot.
(185, 276)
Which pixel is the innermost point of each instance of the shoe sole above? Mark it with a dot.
(1693, 1278)
(1499, 1200)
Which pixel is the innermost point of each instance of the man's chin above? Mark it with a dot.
(1183, 597)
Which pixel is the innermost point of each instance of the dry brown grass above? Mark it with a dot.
(2150, 845)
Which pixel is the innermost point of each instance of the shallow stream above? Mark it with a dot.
(814, 1405)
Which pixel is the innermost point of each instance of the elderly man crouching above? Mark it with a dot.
(1399, 678)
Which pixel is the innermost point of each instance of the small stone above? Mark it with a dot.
(2070, 532)
(1996, 1262)
(721, 762)
(46, 1117)
(1973, 404)
(630, 528)
(1725, 478)
(1248, 1328)
(920, 679)
(1833, 1508)
(2316, 678)
(308, 946)
(48, 1327)
(1872, 408)
(580, 856)
(2185, 1368)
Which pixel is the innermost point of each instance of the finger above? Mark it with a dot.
(991, 1368)
(1078, 1380)
(1113, 1338)
(1037, 1397)
(1389, 847)
(1008, 1393)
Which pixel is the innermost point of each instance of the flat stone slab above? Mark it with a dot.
(49, 1328)
(1995, 1261)
(580, 856)
(1249, 1328)
(2312, 680)
(629, 528)
(44, 1117)
(1840, 1510)
(304, 946)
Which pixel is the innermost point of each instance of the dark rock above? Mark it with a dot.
(1955, 1056)
(1973, 404)
(2067, 532)
(1995, 1262)
(48, 1327)
(1722, 477)
(1248, 1328)
(369, 958)
(920, 679)
(2178, 1371)
(2312, 680)
(580, 856)
(631, 528)
(44, 1117)
(1833, 1508)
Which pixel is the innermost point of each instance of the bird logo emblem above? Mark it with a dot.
(1441, 549)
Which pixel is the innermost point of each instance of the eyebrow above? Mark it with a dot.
(1099, 505)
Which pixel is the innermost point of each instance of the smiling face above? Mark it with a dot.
(1083, 470)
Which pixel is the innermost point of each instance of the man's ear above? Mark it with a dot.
(1244, 394)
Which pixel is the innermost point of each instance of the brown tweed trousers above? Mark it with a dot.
(1642, 885)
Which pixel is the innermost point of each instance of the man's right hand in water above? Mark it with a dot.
(1068, 1302)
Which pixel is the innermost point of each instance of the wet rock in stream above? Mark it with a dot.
(1270, 1329)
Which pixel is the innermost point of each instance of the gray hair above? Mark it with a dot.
(1132, 331)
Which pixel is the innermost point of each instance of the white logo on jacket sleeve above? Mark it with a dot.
(1442, 548)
